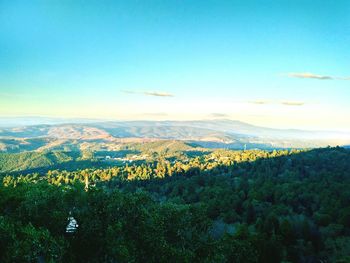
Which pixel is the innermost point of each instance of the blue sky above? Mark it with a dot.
(273, 63)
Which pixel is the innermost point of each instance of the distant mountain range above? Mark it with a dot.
(23, 134)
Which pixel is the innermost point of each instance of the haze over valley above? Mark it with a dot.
(112, 135)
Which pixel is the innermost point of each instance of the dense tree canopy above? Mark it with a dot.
(226, 206)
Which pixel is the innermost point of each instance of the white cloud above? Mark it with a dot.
(293, 103)
(306, 75)
(286, 103)
(149, 93)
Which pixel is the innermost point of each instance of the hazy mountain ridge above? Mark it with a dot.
(109, 135)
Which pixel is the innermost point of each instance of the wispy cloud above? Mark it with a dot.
(259, 102)
(306, 75)
(158, 94)
(293, 103)
(269, 102)
(149, 93)
(218, 115)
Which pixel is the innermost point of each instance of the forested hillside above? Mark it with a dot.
(226, 206)
(42, 161)
(29, 160)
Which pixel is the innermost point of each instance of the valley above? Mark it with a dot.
(112, 136)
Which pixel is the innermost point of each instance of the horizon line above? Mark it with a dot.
(152, 120)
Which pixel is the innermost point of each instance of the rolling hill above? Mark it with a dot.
(31, 160)
(113, 135)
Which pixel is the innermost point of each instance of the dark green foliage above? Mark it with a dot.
(29, 160)
(227, 206)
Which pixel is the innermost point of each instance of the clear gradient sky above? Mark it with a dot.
(274, 63)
